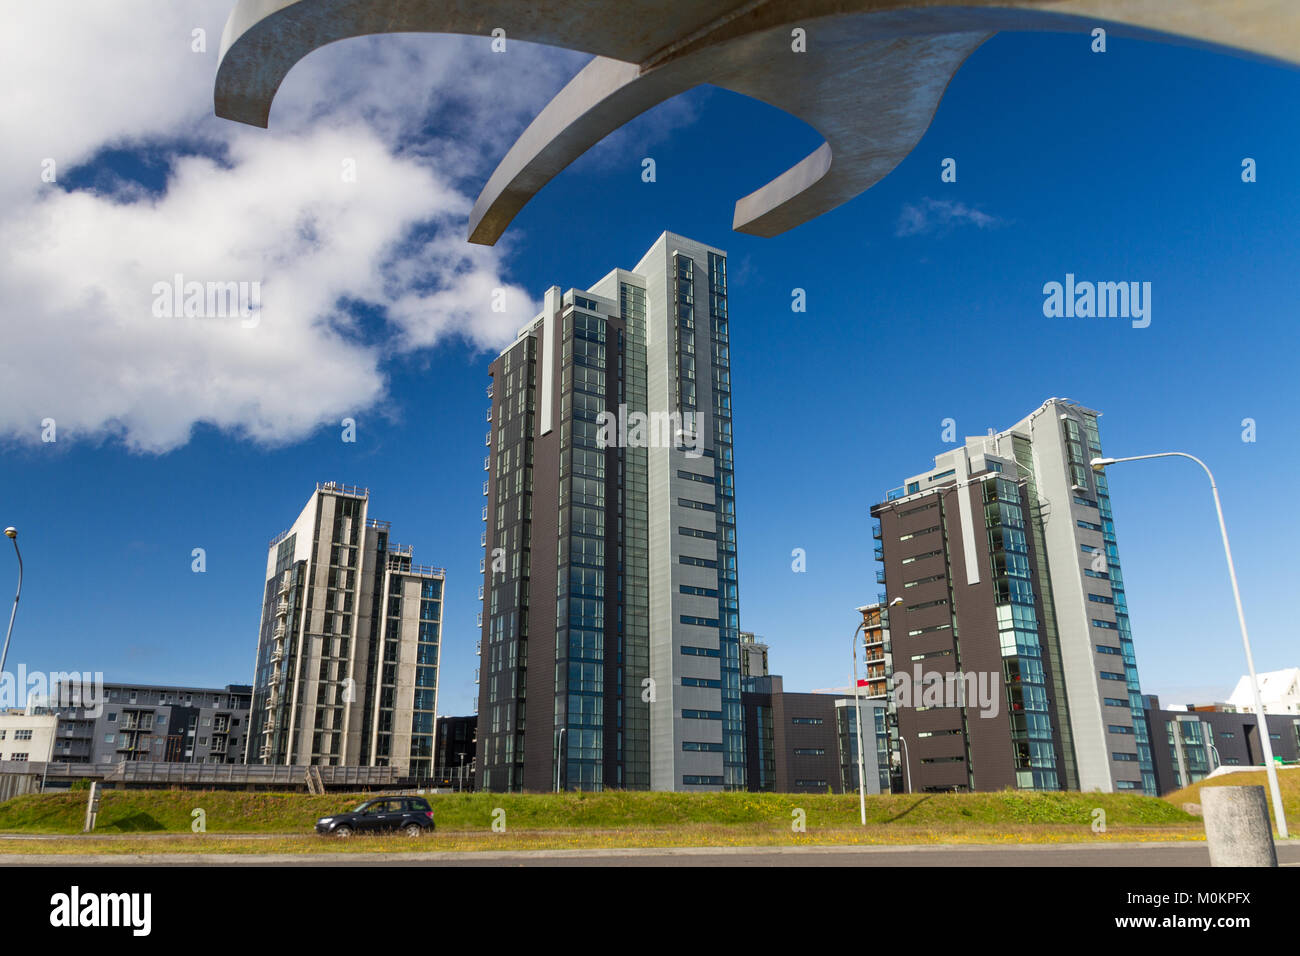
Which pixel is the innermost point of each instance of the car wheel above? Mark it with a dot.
(413, 829)
(343, 832)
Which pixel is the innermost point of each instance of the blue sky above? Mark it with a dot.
(1119, 166)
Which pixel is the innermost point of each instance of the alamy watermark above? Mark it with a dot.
(624, 429)
(208, 300)
(53, 689)
(1103, 300)
(978, 689)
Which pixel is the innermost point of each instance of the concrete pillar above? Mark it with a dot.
(1237, 827)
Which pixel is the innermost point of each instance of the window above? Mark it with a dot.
(1107, 649)
(697, 533)
(697, 746)
(702, 592)
(692, 476)
(918, 557)
(1124, 757)
(22, 735)
(806, 720)
(810, 783)
(1108, 675)
(702, 714)
(698, 562)
(1117, 729)
(699, 621)
(1108, 625)
(1088, 525)
(928, 630)
(809, 752)
(1114, 702)
(18, 757)
(1100, 599)
(701, 682)
(697, 505)
(917, 607)
(933, 577)
(698, 780)
(1226, 735)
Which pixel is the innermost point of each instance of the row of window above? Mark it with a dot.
(701, 592)
(692, 476)
(919, 557)
(699, 621)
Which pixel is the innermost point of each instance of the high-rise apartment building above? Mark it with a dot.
(1005, 559)
(610, 633)
(348, 650)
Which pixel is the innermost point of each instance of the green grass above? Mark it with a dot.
(229, 812)
(1288, 781)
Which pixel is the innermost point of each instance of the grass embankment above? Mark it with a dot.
(580, 821)
(1288, 781)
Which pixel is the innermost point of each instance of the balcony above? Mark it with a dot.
(480, 592)
(875, 530)
(487, 438)
(879, 552)
(485, 488)
(489, 391)
(485, 512)
(880, 575)
(482, 539)
(487, 464)
(489, 415)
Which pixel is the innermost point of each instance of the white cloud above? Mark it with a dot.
(424, 118)
(940, 215)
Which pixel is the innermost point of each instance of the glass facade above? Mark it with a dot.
(581, 585)
(1018, 633)
(733, 719)
(504, 664)
(1116, 577)
(634, 639)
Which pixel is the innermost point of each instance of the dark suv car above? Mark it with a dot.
(411, 815)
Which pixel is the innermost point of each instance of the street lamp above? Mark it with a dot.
(1098, 465)
(907, 760)
(12, 535)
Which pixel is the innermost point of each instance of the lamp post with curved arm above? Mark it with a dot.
(1099, 465)
(12, 535)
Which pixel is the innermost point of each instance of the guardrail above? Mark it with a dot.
(169, 774)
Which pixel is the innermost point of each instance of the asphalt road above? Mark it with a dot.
(1062, 855)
